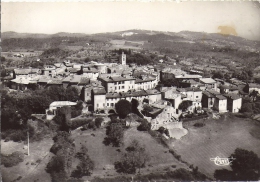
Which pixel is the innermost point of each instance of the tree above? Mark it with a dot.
(98, 122)
(254, 94)
(123, 108)
(115, 133)
(185, 105)
(134, 158)
(86, 165)
(245, 167)
(144, 126)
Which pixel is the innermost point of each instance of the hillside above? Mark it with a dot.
(185, 44)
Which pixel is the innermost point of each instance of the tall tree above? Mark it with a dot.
(134, 158)
(123, 108)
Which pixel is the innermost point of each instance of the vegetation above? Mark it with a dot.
(85, 166)
(134, 158)
(180, 174)
(60, 165)
(185, 105)
(17, 107)
(245, 167)
(165, 131)
(12, 159)
(123, 108)
(144, 125)
(115, 133)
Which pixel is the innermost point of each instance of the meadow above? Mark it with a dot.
(217, 138)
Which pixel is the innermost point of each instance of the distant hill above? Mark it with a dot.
(8, 35)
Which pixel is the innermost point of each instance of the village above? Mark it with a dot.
(102, 85)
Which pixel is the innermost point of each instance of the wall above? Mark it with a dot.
(237, 105)
(99, 102)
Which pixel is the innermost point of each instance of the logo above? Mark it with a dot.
(222, 161)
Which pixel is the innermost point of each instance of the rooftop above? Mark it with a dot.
(207, 80)
(62, 103)
(232, 96)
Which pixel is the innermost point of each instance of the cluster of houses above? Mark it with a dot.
(102, 85)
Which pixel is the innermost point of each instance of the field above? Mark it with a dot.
(122, 44)
(105, 156)
(217, 138)
(29, 169)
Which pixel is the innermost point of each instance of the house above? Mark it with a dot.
(188, 83)
(208, 99)
(169, 73)
(234, 102)
(52, 111)
(167, 118)
(193, 94)
(220, 103)
(173, 96)
(145, 82)
(26, 72)
(98, 98)
(209, 83)
(49, 70)
(89, 71)
(118, 84)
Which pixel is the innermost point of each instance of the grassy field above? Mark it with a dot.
(29, 169)
(105, 156)
(217, 138)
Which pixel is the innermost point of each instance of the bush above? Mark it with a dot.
(98, 122)
(13, 159)
(144, 126)
(178, 157)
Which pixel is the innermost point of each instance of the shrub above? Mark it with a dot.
(13, 159)
(144, 126)
(98, 122)
(178, 157)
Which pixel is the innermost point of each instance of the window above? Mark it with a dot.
(115, 88)
(107, 104)
(97, 105)
(197, 96)
(103, 104)
(112, 104)
(119, 87)
(123, 87)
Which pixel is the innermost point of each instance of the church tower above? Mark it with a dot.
(123, 59)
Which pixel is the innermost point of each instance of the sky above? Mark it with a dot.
(98, 17)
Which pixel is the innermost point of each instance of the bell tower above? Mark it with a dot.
(123, 59)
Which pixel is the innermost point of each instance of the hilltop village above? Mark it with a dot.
(102, 85)
(94, 116)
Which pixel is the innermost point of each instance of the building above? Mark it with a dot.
(98, 98)
(188, 83)
(52, 111)
(220, 103)
(193, 94)
(209, 83)
(169, 73)
(118, 84)
(146, 82)
(49, 70)
(168, 118)
(105, 101)
(234, 102)
(122, 59)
